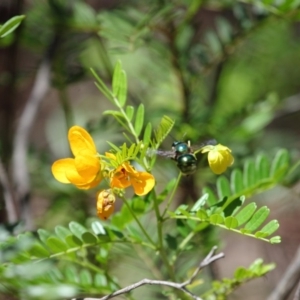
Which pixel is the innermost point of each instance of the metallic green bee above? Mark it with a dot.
(184, 155)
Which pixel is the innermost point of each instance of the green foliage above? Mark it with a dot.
(228, 209)
(257, 176)
(221, 289)
(214, 80)
(10, 25)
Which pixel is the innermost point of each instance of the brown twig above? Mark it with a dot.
(180, 286)
(20, 146)
(297, 294)
(288, 280)
(8, 195)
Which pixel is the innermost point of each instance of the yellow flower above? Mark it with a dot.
(105, 204)
(84, 170)
(219, 157)
(126, 175)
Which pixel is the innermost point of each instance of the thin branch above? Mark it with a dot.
(297, 294)
(21, 140)
(20, 172)
(8, 195)
(207, 260)
(288, 281)
(180, 286)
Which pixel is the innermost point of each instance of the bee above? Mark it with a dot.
(183, 154)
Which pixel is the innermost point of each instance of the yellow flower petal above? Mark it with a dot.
(143, 183)
(220, 158)
(73, 177)
(79, 140)
(60, 167)
(84, 170)
(129, 168)
(87, 164)
(120, 178)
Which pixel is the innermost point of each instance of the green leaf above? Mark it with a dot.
(10, 25)
(223, 187)
(71, 274)
(129, 112)
(260, 234)
(171, 242)
(233, 206)
(184, 212)
(100, 280)
(122, 93)
(131, 150)
(280, 164)
(147, 134)
(102, 87)
(139, 119)
(114, 113)
(236, 181)
(83, 15)
(199, 203)
(231, 222)
(73, 241)
(201, 214)
(224, 30)
(241, 273)
(257, 219)
(38, 251)
(164, 128)
(138, 205)
(213, 42)
(62, 232)
(137, 149)
(262, 166)
(98, 228)
(212, 199)
(275, 240)
(113, 146)
(43, 235)
(246, 213)
(85, 278)
(77, 229)
(116, 78)
(117, 233)
(249, 173)
(162, 196)
(270, 228)
(89, 238)
(56, 245)
(216, 219)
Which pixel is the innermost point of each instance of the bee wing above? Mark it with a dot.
(159, 152)
(212, 142)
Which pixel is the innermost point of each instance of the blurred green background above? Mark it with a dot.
(227, 70)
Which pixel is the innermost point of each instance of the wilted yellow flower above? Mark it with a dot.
(105, 204)
(219, 157)
(126, 175)
(84, 170)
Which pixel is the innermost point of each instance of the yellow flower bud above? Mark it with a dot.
(105, 203)
(219, 157)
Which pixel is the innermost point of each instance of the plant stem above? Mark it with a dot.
(161, 247)
(138, 221)
(172, 195)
